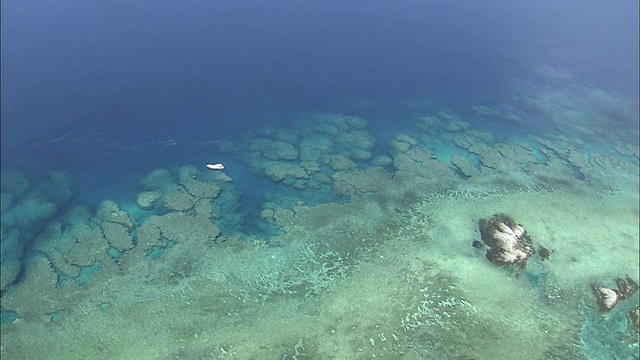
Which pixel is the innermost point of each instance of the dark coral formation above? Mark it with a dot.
(477, 244)
(634, 317)
(627, 286)
(544, 253)
(508, 242)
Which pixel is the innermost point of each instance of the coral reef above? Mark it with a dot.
(146, 200)
(379, 274)
(40, 279)
(306, 155)
(27, 208)
(84, 247)
(464, 166)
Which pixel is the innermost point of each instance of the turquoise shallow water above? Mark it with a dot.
(364, 149)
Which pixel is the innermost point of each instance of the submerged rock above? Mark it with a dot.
(634, 317)
(147, 199)
(627, 286)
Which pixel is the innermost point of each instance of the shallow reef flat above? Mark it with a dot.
(373, 250)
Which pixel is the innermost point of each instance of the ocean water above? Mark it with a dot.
(366, 147)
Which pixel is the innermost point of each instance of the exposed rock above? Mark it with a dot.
(607, 298)
(507, 241)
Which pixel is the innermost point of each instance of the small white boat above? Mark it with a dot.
(215, 166)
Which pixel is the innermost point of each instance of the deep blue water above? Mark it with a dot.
(134, 73)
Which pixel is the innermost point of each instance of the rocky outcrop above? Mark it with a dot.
(609, 298)
(507, 241)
